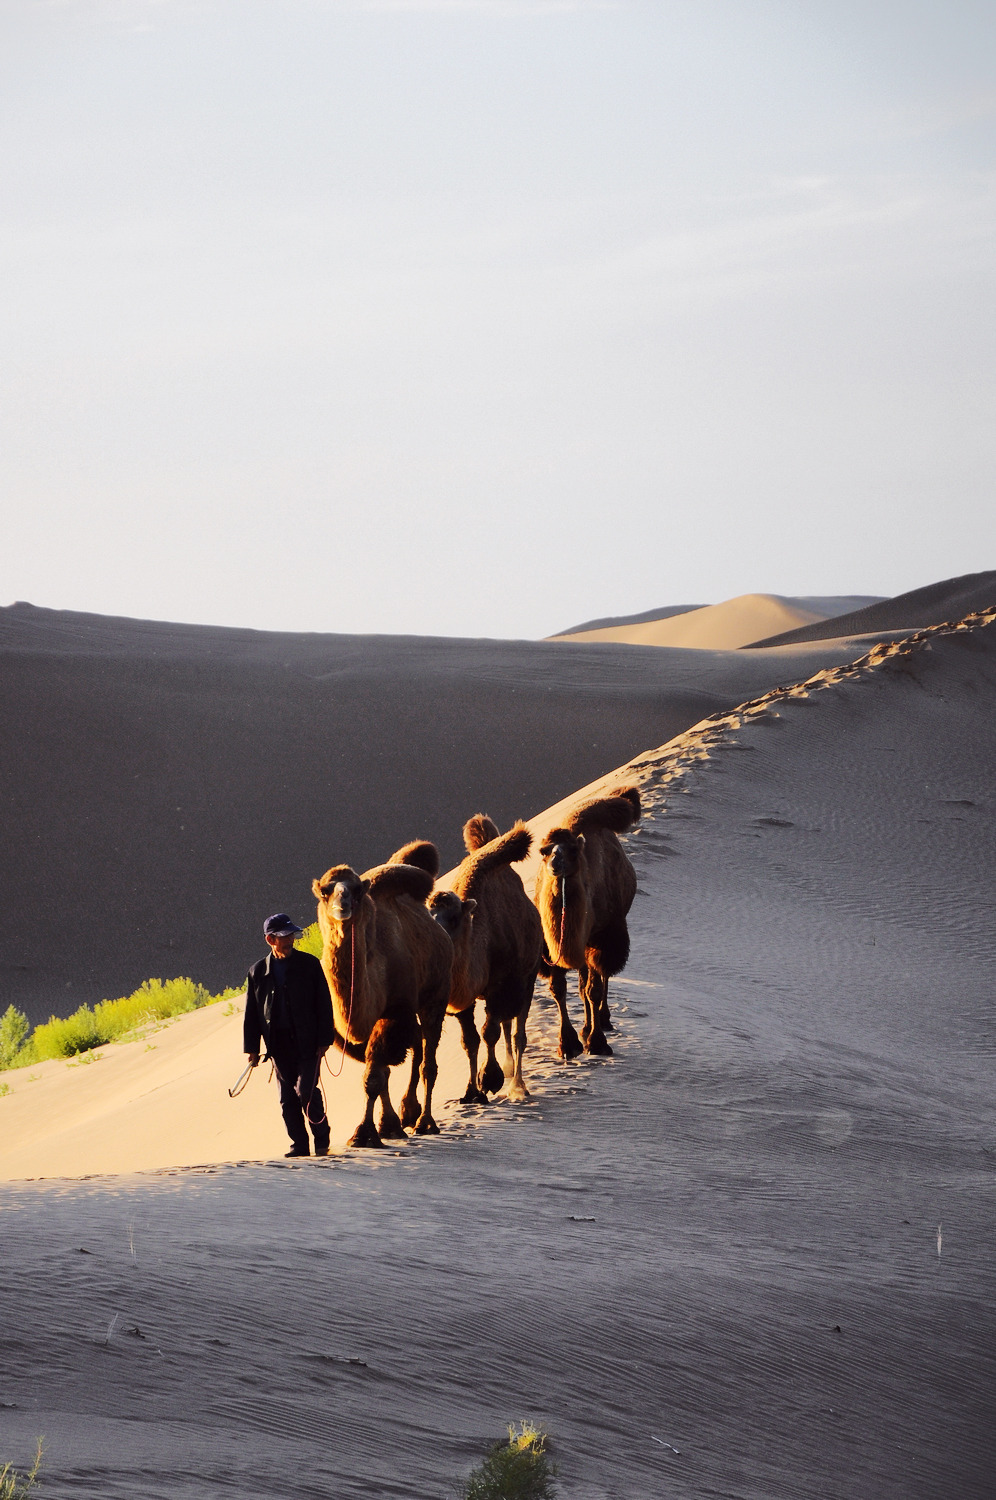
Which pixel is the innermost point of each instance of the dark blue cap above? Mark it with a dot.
(280, 925)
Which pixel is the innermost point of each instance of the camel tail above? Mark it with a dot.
(618, 812)
(420, 854)
(399, 880)
(478, 831)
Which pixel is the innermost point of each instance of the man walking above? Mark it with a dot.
(289, 1008)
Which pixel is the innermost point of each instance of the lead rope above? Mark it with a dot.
(563, 917)
(349, 1013)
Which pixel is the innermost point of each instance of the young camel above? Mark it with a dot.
(388, 965)
(497, 944)
(584, 889)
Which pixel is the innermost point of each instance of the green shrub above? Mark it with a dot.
(14, 1027)
(310, 940)
(155, 1000)
(517, 1470)
(14, 1486)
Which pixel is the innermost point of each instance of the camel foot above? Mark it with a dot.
(492, 1078)
(474, 1095)
(605, 1022)
(426, 1126)
(570, 1045)
(365, 1134)
(410, 1111)
(518, 1092)
(391, 1129)
(597, 1046)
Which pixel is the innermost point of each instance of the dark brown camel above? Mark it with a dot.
(584, 889)
(388, 966)
(497, 944)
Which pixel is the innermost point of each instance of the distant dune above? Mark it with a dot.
(168, 785)
(933, 605)
(664, 612)
(712, 627)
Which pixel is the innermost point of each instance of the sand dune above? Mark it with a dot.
(715, 627)
(938, 602)
(751, 1255)
(170, 785)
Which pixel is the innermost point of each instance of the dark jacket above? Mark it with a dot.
(309, 1004)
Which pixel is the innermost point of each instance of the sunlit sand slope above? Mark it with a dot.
(722, 627)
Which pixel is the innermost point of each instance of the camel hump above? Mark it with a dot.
(632, 794)
(618, 812)
(419, 853)
(399, 880)
(478, 831)
(505, 850)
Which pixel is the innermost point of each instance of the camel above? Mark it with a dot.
(584, 889)
(389, 967)
(497, 944)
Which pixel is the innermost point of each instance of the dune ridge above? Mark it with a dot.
(714, 627)
(935, 604)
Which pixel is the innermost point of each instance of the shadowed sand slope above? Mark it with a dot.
(715, 627)
(750, 1255)
(166, 786)
(938, 602)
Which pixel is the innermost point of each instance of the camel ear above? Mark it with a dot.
(470, 906)
(316, 887)
(580, 840)
(364, 887)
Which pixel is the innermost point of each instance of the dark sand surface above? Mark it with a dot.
(951, 599)
(166, 786)
(761, 1234)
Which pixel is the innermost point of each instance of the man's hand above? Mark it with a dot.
(254, 1059)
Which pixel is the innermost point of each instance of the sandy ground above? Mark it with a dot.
(166, 787)
(751, 1255)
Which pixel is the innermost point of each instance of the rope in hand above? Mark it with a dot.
(243, 1080)
(349, 1013)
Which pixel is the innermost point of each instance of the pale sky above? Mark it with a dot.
(484, 317)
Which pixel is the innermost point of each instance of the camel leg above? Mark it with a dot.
(425, 1124)
(387, 1045)
(517, 1089)
(375, 1079)
(492, 1077)
(604, 1017)
(471, 1039)
(569, 1044)
(508, 1066)
(410, 1109)
(592, 987)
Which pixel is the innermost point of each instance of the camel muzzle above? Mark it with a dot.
(341, 902)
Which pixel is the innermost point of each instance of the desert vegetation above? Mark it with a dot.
(15, 1486)
(108, 1021)
(519, 1469)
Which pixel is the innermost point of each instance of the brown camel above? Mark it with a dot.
(584, 889)
(388, 966)
(497, 944)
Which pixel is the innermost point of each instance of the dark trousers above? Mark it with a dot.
(300, 1097)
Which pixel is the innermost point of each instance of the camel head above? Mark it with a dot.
(561, 852)
(341, 892)
(450, 912)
